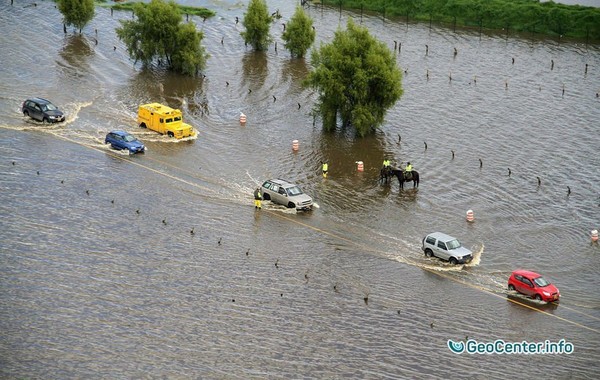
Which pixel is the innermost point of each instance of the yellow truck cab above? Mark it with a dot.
(164, 120)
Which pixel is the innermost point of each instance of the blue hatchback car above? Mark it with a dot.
(123, 140)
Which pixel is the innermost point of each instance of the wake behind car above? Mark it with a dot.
(447, 248)
(42, 110)
(123, 140)
(533, 285)
(286, 193)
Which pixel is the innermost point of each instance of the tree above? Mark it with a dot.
(357, 78)
(76, 12)
(257, 22)
(299, 34)
(159, 33)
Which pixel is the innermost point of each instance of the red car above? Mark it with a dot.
(533, 285)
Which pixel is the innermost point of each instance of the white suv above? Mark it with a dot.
(447, 248)
(286, 193)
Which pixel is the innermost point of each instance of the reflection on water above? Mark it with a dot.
(101, 274)
(255, 69)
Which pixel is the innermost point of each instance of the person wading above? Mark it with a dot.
(325, 169)
(257, 198)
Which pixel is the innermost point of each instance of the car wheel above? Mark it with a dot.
(291, 205)
(511, 287)
(170, 134)
(538, 297)
(266, 197)
(143, 125)
(453, 261)
(26, 113)
(44, 121)
(428, 252)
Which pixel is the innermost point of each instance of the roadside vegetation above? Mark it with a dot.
(158, 35)
(257, 22)
(76, 12)
(530, 16)
(184, 9)
(299, 34)
(357, 79)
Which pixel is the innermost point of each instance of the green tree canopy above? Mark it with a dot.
(159, 33)
(357, 79)
(299, 34)
(257, 22)
(76, 12)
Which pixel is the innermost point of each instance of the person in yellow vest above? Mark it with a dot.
(325, 169)
(408, 171)
(386, 164)
(257, 199)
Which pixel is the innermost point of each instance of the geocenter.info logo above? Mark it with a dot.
(499, 346)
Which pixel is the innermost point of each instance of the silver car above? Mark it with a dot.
(286, 193)
(447, 248)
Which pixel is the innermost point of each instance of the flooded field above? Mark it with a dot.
(158, 265)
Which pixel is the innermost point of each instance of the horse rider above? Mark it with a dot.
(408, 171)
(257, 198)
(386, 164)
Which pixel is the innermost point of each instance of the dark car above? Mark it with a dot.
(123, 140)
(42, 110)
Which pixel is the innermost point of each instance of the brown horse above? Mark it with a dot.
(402, 177)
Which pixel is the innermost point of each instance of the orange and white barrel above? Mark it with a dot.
(470, 216)
(594, 235)
(295, 145)
(242, 118)
(360, 166)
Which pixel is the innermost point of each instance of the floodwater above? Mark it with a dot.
(158, 265)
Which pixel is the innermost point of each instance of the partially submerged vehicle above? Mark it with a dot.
(286, 193)
(42, 110)
(120, 140)
(447, 248)
(164, 120)
(533, 285)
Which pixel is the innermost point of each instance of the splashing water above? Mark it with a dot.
(476, 257)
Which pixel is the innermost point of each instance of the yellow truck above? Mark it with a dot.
(164, 120)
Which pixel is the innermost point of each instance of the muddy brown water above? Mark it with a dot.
(101, 277)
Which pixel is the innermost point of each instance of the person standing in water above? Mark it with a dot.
(257, 199)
